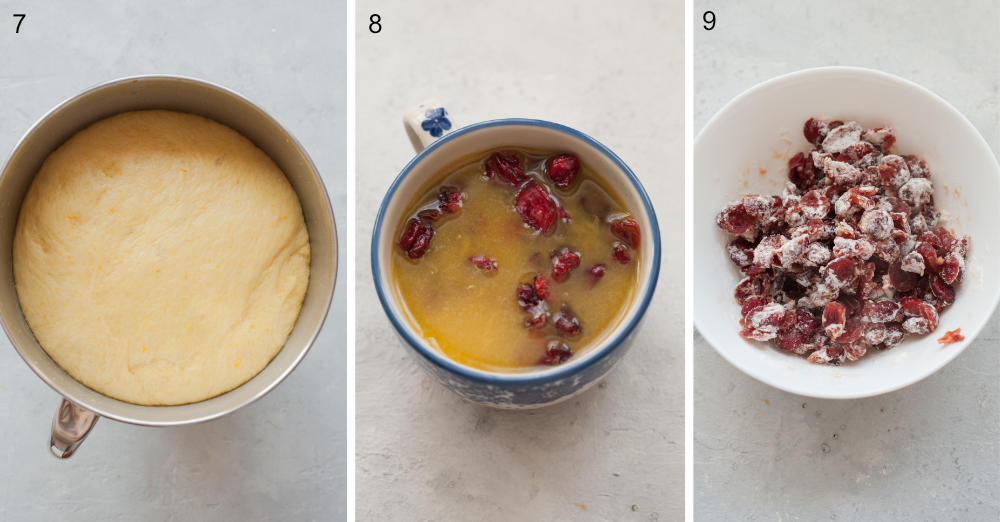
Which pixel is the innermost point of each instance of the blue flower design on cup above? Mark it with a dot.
(436, 122)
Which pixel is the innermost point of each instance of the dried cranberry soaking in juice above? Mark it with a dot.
(514, 259)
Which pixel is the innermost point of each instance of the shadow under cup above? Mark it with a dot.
(545, 386)
(221, 105)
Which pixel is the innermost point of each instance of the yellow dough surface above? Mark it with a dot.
(161, 258)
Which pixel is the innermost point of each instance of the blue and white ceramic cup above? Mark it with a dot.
(430, 129)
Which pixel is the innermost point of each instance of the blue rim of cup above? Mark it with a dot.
(530, 378)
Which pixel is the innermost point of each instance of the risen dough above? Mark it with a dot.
(160, 257)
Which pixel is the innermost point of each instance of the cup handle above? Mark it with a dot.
(425, 123)
(70, 427)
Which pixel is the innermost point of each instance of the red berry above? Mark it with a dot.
(853, 153)
(740, 252)
(933, 239)
(951, 269)
(596, 272)
(526, 296)
(564, 261)
(834, 320)
(929, 314)
(911, 306)
(534, 305)
(750, 286)
(627, 229)
(855, 350)
(620, 253)
(941, 289)
(889, 172)
(842, 271)
(537, 317)
(801, 171)
(506, 166)
(805, 322)
(484, 263)
(556, 353)
(566, 322)
(881, 137)
(882, 311)
(932, 261)
(853, 330)
(924, 317)
(753, 302)
(827, 354)
(945, 237)
(918, 167)
(450, 199)
(536, 208)
(792, 341)
(541, 286)
(815, 130)
(416, 238)
(562, 170)
(900, 279)
(735, 219)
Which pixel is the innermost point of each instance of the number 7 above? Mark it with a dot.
(19, 22)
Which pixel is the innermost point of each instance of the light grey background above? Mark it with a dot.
(281, 458)
(928, 452)
(613, 71)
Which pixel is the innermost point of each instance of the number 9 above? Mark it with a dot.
(709, 19)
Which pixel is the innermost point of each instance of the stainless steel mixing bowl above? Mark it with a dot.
(82, 406)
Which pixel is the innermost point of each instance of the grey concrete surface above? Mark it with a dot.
(613, 71)
(281, 458)
(928, 452)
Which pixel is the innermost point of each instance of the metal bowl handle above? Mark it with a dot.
(70, 427)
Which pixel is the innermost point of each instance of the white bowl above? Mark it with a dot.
(744, 149)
